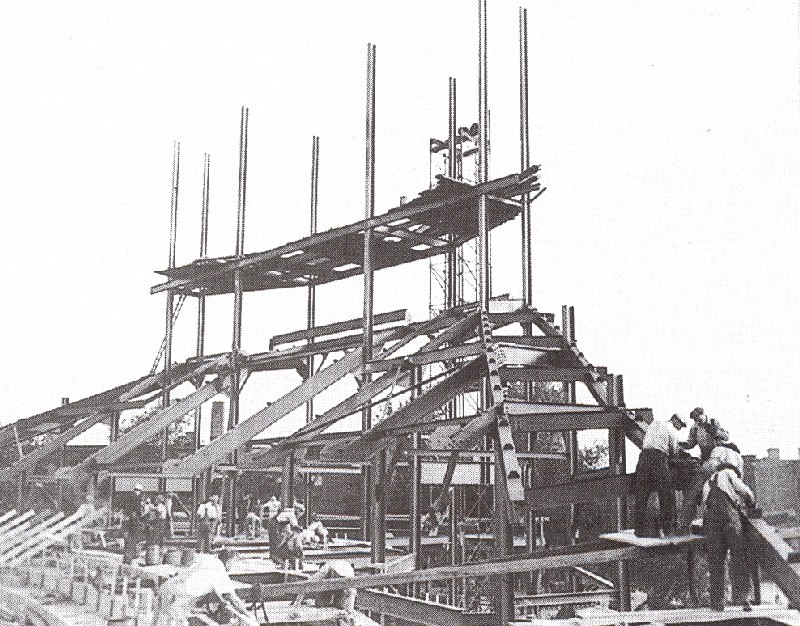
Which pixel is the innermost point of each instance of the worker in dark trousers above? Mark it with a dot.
(652, 474)
(725, 497)
(133, 522)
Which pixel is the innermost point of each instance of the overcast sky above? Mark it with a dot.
(667, 133)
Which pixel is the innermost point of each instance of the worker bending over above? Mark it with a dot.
(652, 474)
(344, 599)
(180, 595)
(705, 433)
(725, 497)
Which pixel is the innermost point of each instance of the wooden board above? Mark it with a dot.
(628, 537)
(675, 616)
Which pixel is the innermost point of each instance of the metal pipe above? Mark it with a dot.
(452, 158)
(236, 343)
(415, 539)
(378, 543)
(527, 279)
(484, 270)
(311, 305)
(201, 325)
(369, 209)
(173, 227)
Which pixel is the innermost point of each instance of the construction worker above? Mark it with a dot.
(134, 525)
(652, 474)
(705, 433)
(288, 544)
(725, 498)
(209, 515)
(206, 578)
(344, 599)
(158, 522)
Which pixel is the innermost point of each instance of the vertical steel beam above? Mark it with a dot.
(452, 172)
(236, 343)
(311, 304)
(369, 211)
(524, 144)
(379, 508)
(504, 601)
(287, 482)
(616, 451)
(201, 330)
(484, 270)
(173, 229)
(415, 531)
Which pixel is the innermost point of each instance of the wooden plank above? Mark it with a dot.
(56, 533)
(773, 555)
(400, 315)
(628, 537)
(32, 534)
(576, 492)
(700, 615)
(446, 572)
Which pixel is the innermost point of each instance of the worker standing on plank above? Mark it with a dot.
(652, 473)
(208, 518)
(725, 497)
(344, 599)
(705, 433)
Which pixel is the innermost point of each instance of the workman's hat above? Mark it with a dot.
(138, 487)
(677, 419)
(696, 413)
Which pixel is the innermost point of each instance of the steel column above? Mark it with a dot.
(198, 484)
(173, 228)
(236, 343)
(527, 280)
(617, 466)
(369, 212)
(311, 305)
(378, 506)
(452, 157)
(415, 532)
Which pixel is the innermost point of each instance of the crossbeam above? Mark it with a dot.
(400, 315)
(529, 563)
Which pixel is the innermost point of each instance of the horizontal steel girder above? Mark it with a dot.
(530, 563)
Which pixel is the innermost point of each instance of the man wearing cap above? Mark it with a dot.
(652, 473)
(133, 521)
(705, 433)
(208, 518)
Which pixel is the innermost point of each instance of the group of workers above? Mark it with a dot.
(715, 484)
(148, 518)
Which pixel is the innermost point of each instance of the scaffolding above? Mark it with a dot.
(433, 395)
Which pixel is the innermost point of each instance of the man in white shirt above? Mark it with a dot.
(179, 595)
(725, 497)
(652, 474)
(208, 518)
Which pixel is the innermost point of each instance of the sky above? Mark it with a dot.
(667, 134)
